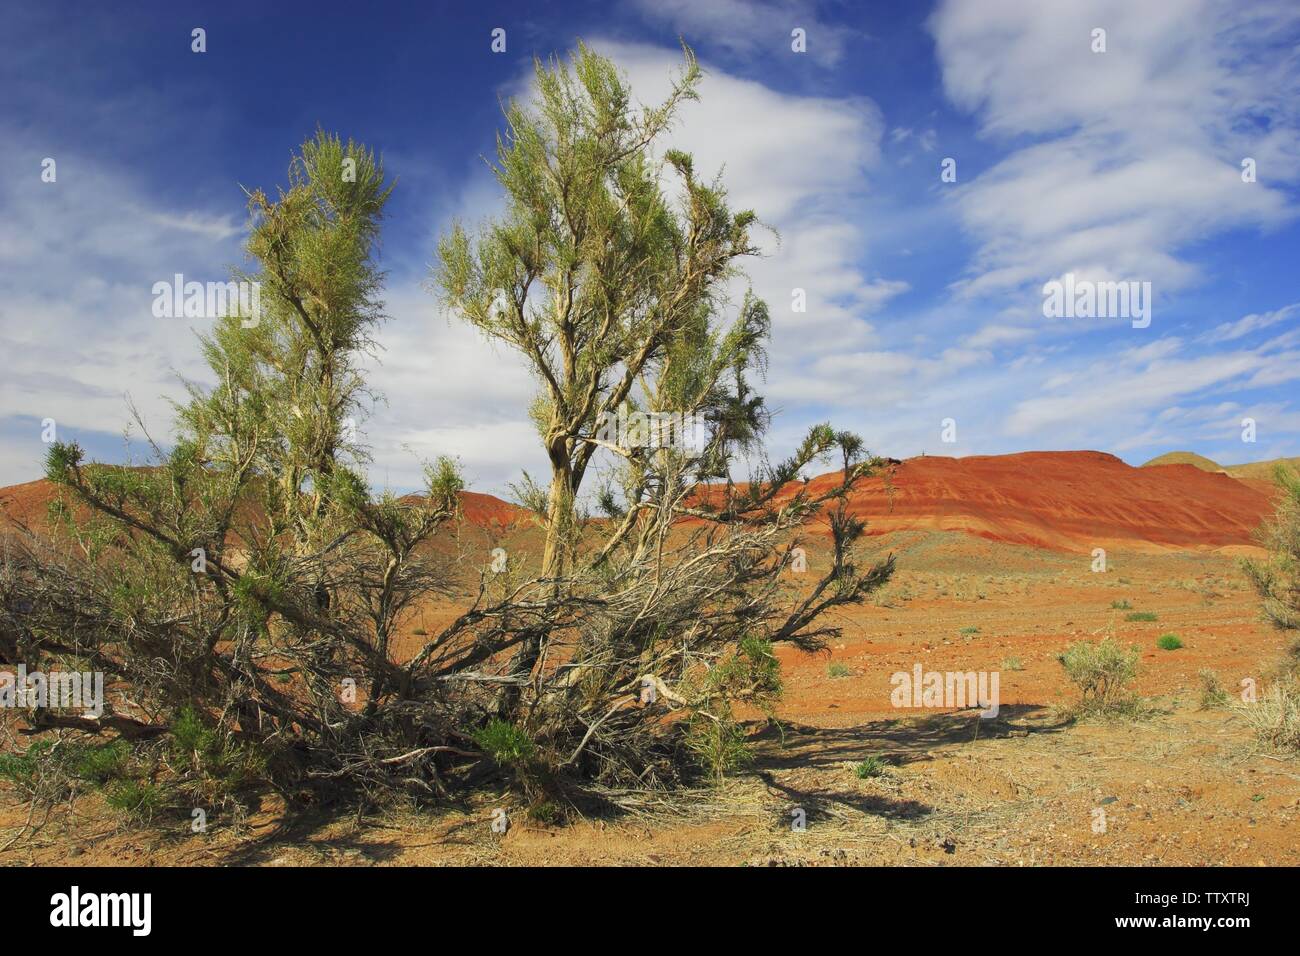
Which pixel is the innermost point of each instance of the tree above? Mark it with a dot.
(250, 579)
(615, 293)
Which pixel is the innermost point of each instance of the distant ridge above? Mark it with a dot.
(1185, 458)
(1261, 470)
(1253, 470)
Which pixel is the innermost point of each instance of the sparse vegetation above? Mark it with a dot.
(1121, 605)
(1275, 717)
(838, 669)
(1102, 671)
(1169, 642)
(873, 766)
(1012, 664)
(1142, 616)
(1213, 696)
(1277, 579)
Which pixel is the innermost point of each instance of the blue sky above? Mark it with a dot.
(924, 297)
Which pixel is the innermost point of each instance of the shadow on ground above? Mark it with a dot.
(785, 753)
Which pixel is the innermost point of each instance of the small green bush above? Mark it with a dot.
(99, 765)
(1102, 672)
(1013, 664)
(1147, 616)
(873, 766)
(719, 745)
(836, 669)
(1169, 642)
(1121, 605)
(504, 742)
(135, 798)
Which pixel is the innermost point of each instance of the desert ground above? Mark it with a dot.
(1180, 785)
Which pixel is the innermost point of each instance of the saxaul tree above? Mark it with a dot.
(1277, 578)
(611, 272)
(249, 582)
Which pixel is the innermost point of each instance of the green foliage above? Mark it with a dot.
(1169, 642)
(504, 742)
(838, 669)
(1146, 616)
(873, 766)
(100, 764)
(218, 766)
(718, 744)
(1013, 664)
(138, 800)
(1121, 605)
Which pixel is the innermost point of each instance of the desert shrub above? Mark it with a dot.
(1121, 605)
(1102, 671)
(99, 764)
(546, 812)
(873, 766)
(838, 669)
(1147, 616)
(1277, 578)
(504, 742)
(1213, 694)
(720, 746)
(41, 774)
(1013, 664)
(1275, 717)
(1169, 642)
(645, 247)
(138, 800)
(253, 551)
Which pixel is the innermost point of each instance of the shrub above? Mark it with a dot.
(873, 766)
(100, 764)
(504, 742)
(1102, 672)
(1275, 717)
(1142, 616)
(1169, 642)
(838, 669)
(138, 800)
(1121, 605)
(1013, 664)
(1277, 579)
(1212, 693)
(719, 745)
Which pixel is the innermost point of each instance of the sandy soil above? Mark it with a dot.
(1182, 786)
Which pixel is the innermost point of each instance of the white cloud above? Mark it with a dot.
(1132, 154)
(1231, 331)
(751, 28)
